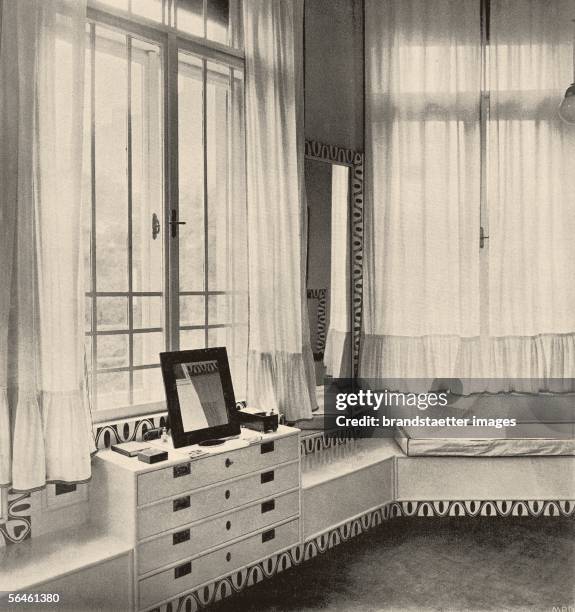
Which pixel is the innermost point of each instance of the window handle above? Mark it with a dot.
(482, 237)
(155, 226)
(174, 222)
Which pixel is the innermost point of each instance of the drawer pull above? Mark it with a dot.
(268, 535)
(267, 447)
(229, 557)
(182, 470)
(181, 536)
(227, 494)
(267, 477)
(228, 525)
(183, 570)
(268, 506)
(229, 462)
(181, 503)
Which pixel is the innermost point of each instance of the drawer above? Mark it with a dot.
(192, 540)
(190, 475)
(191, 574)
(196, 505)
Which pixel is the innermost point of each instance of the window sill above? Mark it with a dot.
(56, 555)
(112, 415)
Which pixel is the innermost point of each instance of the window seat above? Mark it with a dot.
(81, 560)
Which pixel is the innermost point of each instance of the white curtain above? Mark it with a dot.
(337, 358)
(44, 418)
(423, 186)
(437, 306)
(531, 193)
(280, 361)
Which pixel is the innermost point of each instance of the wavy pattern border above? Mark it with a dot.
(18, 524)
(354, 159)
(322, 441)
(238, 581)
(321, 331)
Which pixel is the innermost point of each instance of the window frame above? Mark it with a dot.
(171, 42)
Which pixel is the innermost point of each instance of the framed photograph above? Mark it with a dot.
(200, 395)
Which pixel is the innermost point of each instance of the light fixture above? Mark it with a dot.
(567, 107)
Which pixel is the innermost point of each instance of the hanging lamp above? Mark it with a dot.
(567, 107)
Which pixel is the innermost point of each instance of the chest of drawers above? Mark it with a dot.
(192, 521)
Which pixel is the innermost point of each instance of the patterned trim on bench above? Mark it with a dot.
(321, 441)
(238, 581)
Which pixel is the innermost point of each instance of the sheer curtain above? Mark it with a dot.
(44, 418)
(531, 192)
(437, 306)
(423, 76)
(337, 358)
(280, 361)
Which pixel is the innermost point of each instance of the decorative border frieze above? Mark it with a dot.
(323, 440)
(238, 581)
(127, 430)
(18, 524)
(321, 326)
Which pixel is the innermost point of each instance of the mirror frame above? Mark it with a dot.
(333, 154)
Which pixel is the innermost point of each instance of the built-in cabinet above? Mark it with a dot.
(192, 520)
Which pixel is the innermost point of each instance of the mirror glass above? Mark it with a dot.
(200, 394)
(328, 189)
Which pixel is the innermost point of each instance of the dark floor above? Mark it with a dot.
(425, 564)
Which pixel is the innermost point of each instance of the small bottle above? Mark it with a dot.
(164, 435)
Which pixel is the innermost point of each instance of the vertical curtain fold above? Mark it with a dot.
(280, 361)
(43, 397)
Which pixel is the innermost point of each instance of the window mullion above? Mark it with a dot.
(205, 170)
(130, 224)
(172, 310)
(93, 268)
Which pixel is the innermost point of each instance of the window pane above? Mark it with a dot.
(217, 336)
(191, 17)
(218, 20)
(87, 314)
(113, 390)
(147, 348)
(112, 351)
(192, 339)
(191, 164)
(116, 4)
(112, 313)
(192, 310)
(147, 179)
(148, 311)
(151, 9)
(111, 107)
(148, 386)
(218, 310)
(217, 167)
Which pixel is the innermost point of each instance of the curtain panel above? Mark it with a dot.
(436, 306)
(280, 360)
(44, 418)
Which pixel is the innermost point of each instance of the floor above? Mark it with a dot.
(424, 564)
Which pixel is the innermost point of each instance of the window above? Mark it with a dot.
(165, 201)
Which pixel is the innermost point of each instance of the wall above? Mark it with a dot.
(334, 72)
